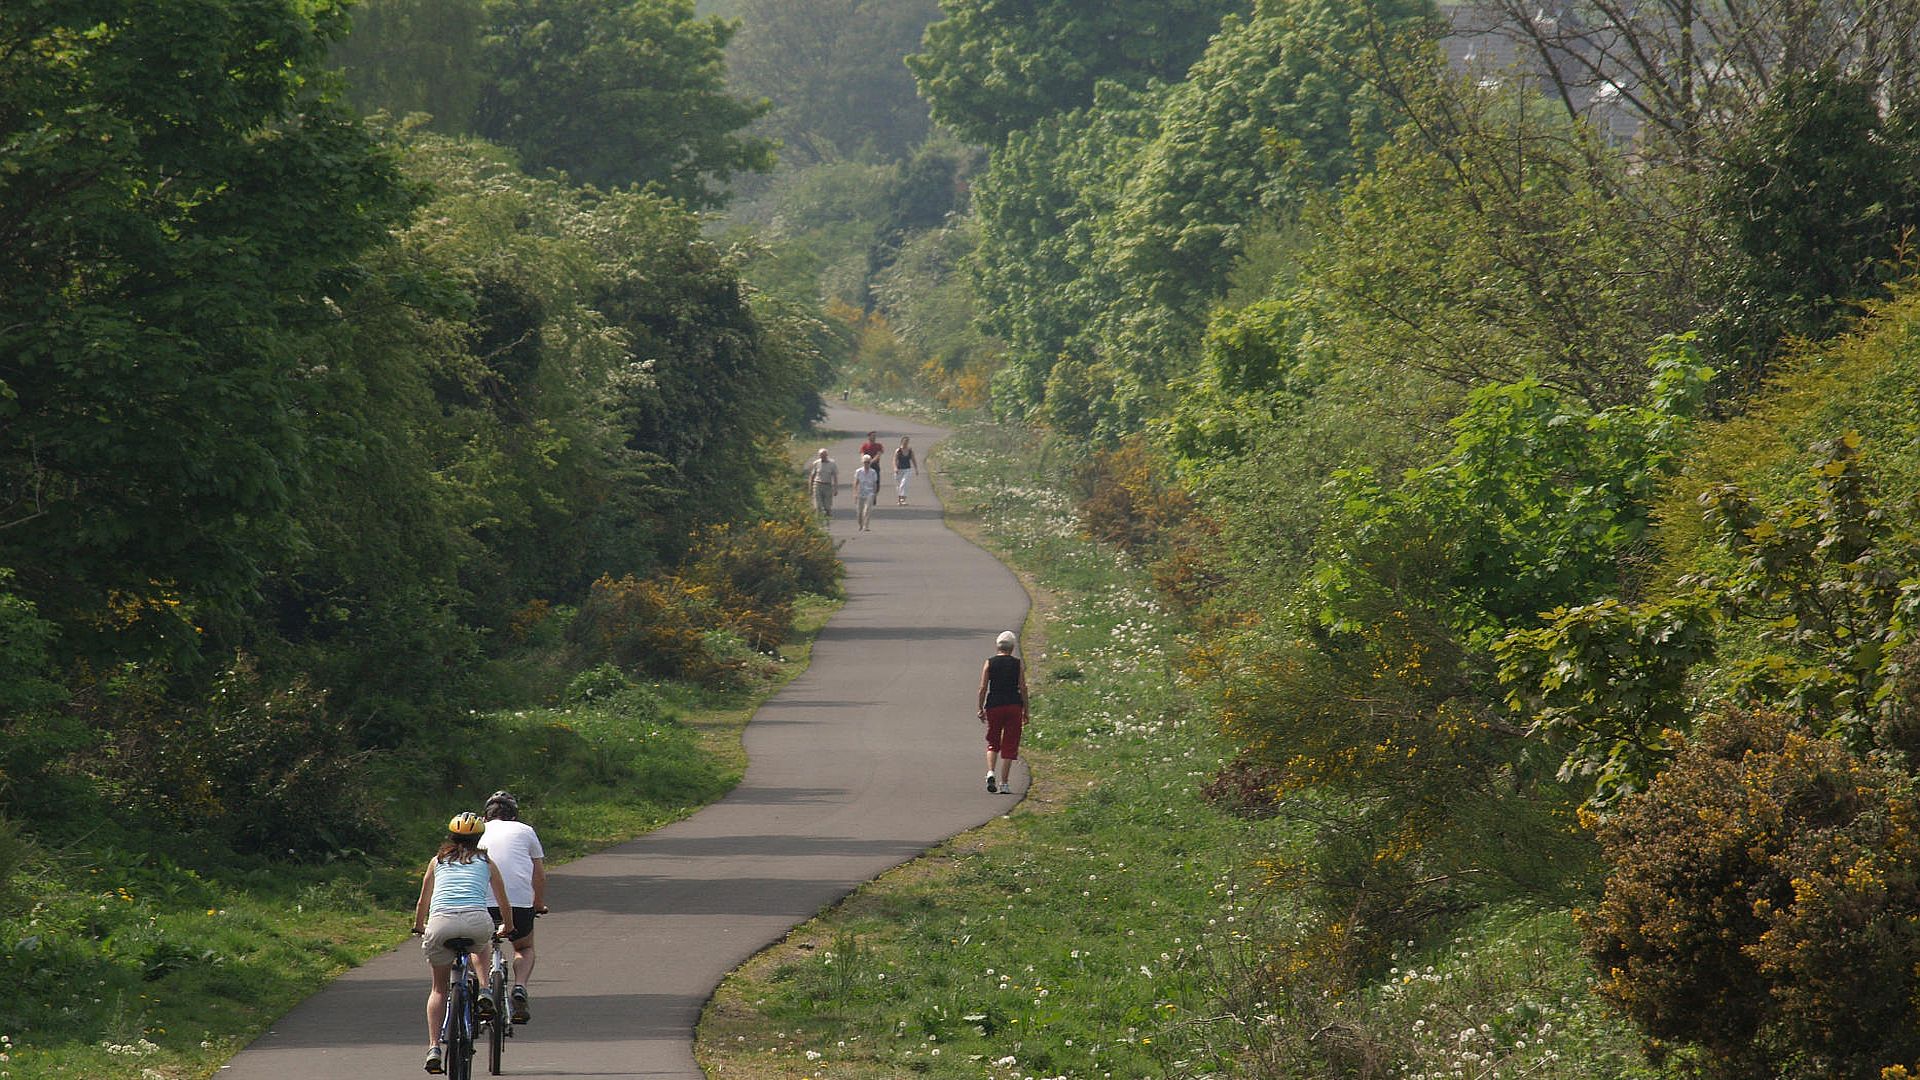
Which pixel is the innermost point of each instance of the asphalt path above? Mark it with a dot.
(869, 758)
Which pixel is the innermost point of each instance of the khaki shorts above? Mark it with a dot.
(474, 923)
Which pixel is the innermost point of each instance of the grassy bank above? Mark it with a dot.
(1077, 935)
(126, 957)
(1115, 923)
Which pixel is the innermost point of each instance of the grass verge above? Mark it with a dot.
(1067, 938)
(1116, 924)
(123, 962)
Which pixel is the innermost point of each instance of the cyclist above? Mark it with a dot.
(453, 904)
(515, 848)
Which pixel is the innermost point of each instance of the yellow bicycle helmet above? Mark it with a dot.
(466, 823)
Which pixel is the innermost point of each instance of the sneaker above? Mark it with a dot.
(990, 782)
(520, 1013)
(483, 1005)
(436, 1064)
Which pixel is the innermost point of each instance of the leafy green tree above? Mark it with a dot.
(181, 207)
(1040, 205)
(717, 385)
(928, 188)
(927, 296)
(1370, 681)
(617, 92)
(834, 71)
(1494, 241)
(1279, 106)
(994, 67)
(414, 56)
(1819, 193)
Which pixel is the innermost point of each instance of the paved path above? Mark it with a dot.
(866, 760)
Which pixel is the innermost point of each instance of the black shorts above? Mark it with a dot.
(522, 921)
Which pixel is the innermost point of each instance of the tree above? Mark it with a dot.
(1689, 73)
(414, 56)
(180, 206)
(1366, 684)
(994, 67)
(1277, 108)
(1817, 192)
(834, 71)
(617, 92)
(1495, 241)
(1040, 205)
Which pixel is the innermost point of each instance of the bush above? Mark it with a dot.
(651, 626)
(264, 767)
(1760, 906)
(607, 687)
(1130, 500)
(739, 581)
(598, 684)
(771, 562)
(31, 734)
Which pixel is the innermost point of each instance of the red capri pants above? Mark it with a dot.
(1003, 729)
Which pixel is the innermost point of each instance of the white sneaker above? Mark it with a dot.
(990, 784)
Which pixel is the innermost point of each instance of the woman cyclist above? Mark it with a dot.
(460, 884)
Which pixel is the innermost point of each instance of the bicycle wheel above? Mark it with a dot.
(497, 1027)
(459, 1051)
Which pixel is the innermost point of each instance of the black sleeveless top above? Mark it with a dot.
(1003, 681)
(903, 458)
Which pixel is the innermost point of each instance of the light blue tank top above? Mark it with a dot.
(459, 886)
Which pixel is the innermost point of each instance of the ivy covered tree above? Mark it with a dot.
(617, 92)
(1280, 106)
(1040, 206)
(994, 67)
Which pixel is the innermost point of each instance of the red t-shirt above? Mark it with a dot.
(874, 449)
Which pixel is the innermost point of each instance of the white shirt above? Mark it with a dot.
(513, 845)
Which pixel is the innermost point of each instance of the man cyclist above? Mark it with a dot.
(515, 848)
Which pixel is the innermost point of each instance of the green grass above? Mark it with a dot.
(123, 962)
(1071, 938)
(1115, 924)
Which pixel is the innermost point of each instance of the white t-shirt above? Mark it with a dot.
(513, 845)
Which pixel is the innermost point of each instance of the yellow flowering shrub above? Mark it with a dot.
(1764, 905)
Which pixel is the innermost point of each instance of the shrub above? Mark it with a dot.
(263, 766)
(1760, 905)
(31, 734)
(650, 626)
(738, 580)
(15, 849)
(607, 687)
(1130, 500)
(1245, 787)
(771, 562)
(597, 684)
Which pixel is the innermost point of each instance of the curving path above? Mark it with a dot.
(866, 760)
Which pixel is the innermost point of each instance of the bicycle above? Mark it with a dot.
(499, 983)
(462, 1024)
(500, 1025)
